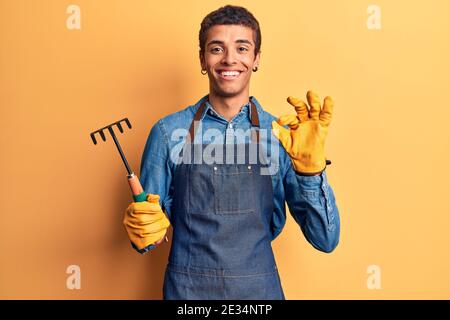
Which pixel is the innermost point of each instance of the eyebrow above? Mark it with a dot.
(221, 42)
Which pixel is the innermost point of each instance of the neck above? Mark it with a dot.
(228, 107)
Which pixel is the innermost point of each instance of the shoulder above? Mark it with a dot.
(179, 120)
(265, 118)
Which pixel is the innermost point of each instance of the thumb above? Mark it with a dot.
(153, 198)
(282, 134)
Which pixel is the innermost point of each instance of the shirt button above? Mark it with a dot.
(249, 167)
(215, 168)
(231, 126)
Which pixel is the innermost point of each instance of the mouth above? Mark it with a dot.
(228, 74)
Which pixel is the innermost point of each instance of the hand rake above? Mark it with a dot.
(135, 185)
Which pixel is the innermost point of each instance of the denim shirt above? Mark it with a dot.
(310, 199)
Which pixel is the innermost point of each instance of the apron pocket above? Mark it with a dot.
(234, 189)
(200, 189)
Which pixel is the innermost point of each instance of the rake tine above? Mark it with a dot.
(102, 135)
(120, 127)
(93, 138)
(128, 123)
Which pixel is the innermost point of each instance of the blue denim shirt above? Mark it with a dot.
(310, 199)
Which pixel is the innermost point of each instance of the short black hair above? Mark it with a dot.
(230, 15)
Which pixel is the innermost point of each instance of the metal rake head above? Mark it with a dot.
(109, 127)
(111, 131)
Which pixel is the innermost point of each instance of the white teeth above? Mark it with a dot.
(229, 73)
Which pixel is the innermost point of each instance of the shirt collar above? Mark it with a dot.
(245, 108)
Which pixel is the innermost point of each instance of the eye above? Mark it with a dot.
(216, 50)
(243, 49)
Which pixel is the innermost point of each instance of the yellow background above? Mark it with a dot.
(62, 198)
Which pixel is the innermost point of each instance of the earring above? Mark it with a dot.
(204, 72)
(255, 69)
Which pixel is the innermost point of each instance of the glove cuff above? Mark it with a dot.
(327, 162)
(308, 174)
(144, 250)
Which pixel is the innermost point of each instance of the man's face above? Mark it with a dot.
(229, 59)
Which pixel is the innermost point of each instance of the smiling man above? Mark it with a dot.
(227, 207)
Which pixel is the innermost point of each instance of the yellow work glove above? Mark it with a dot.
(304, 141)
(145, 222)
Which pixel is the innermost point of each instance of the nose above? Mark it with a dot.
(229, 58)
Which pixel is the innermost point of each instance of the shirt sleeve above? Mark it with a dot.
(312, 204)
(156, 168)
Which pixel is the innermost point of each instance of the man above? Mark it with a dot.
(218, 171)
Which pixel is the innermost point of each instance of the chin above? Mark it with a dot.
(228, 92)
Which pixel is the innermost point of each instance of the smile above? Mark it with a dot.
(228, 74)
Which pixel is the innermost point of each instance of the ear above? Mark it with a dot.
(202, 60)
(257, 59)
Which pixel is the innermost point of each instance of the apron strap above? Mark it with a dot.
(193, 128)
(254, 121)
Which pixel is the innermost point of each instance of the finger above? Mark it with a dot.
(289, 120)
(314, 103)
(164, 238)
(300, 107)
(156, 233)
(282, 134)
(144, 207)
(147, 219)
(327, 111)
(138, 212)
